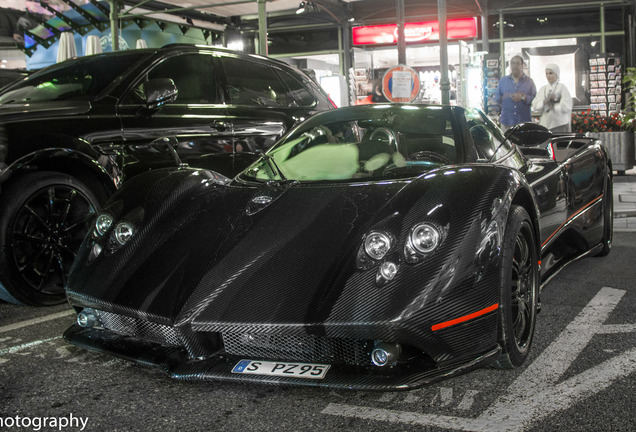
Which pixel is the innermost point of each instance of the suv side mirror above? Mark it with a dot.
(160, 91)
(528, 134)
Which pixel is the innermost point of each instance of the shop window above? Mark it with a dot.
(533, 24)
(303, 41)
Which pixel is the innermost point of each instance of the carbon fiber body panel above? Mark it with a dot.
(176, 364)
(276, 270)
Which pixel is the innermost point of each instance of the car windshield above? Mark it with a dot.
(83, 78)
(362, 144)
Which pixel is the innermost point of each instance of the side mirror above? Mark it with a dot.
(160, 91)
(528, 134)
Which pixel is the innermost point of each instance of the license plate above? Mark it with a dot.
(286, 369)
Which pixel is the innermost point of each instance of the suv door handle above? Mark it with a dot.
(220, 125)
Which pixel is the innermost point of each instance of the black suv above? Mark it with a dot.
(71, 133)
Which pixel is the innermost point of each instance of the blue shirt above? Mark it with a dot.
(512, 112)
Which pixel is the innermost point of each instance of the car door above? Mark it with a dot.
(580, 163)
(197, 119)
(263, 102)
(544, 174)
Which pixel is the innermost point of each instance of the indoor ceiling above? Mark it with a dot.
(361, 10)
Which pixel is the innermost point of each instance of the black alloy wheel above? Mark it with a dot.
(519, 290)
(45, 218)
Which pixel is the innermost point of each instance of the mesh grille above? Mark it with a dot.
(130, 326)
(298, 348)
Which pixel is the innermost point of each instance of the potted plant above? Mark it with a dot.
(616, 131)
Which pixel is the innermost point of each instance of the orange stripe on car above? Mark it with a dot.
(574, 215)
(465, 318)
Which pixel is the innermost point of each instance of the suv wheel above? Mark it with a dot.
(45, 216)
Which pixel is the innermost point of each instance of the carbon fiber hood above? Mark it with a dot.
(263, 254)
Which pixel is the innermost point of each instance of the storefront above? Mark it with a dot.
(591, 50)
(375, 51)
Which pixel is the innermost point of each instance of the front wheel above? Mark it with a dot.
(519, 290)
(43, 220)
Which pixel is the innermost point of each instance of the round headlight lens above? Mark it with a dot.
(424, 238)
(377, 244)
(102, 224)
(123, 232)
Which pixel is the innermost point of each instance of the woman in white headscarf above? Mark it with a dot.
(554, 102)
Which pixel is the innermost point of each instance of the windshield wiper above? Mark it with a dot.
(272, 165)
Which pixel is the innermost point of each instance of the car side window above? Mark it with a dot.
(252, 83)
(485, 143)
(193, 75)
(487, 140)
(298, 92)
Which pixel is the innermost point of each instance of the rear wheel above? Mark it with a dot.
(44, 218)
(608, 218)
(519, 290)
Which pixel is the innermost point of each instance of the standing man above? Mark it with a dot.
(515, 93)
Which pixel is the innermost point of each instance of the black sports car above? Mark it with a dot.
(373, 247)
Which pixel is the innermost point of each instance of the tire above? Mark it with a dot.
(608, 218)
(519, 290)
(44, 217)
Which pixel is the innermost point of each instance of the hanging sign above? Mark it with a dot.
(401, 84)
(462, 28)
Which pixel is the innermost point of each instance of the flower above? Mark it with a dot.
(592, 121)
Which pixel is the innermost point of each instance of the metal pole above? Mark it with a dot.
(602, 28)
(443, 52)
(485, 45)
(401, 42)
(502, 54)
(262, 28)
(630, 38)
(114, 24)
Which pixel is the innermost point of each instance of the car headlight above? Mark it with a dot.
(424, 238)
(102, 224)
(123, 232)
(377, 244)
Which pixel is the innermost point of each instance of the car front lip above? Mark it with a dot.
(175, 362)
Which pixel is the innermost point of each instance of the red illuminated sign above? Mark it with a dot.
(464, 28)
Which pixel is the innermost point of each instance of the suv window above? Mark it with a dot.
(193, 74)
(83, 78)
(252, 83)
(297, 90)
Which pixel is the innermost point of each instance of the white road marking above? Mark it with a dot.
(33, 321)
(18, 348)
(445, 396)
(468, 400)
(536, 394)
